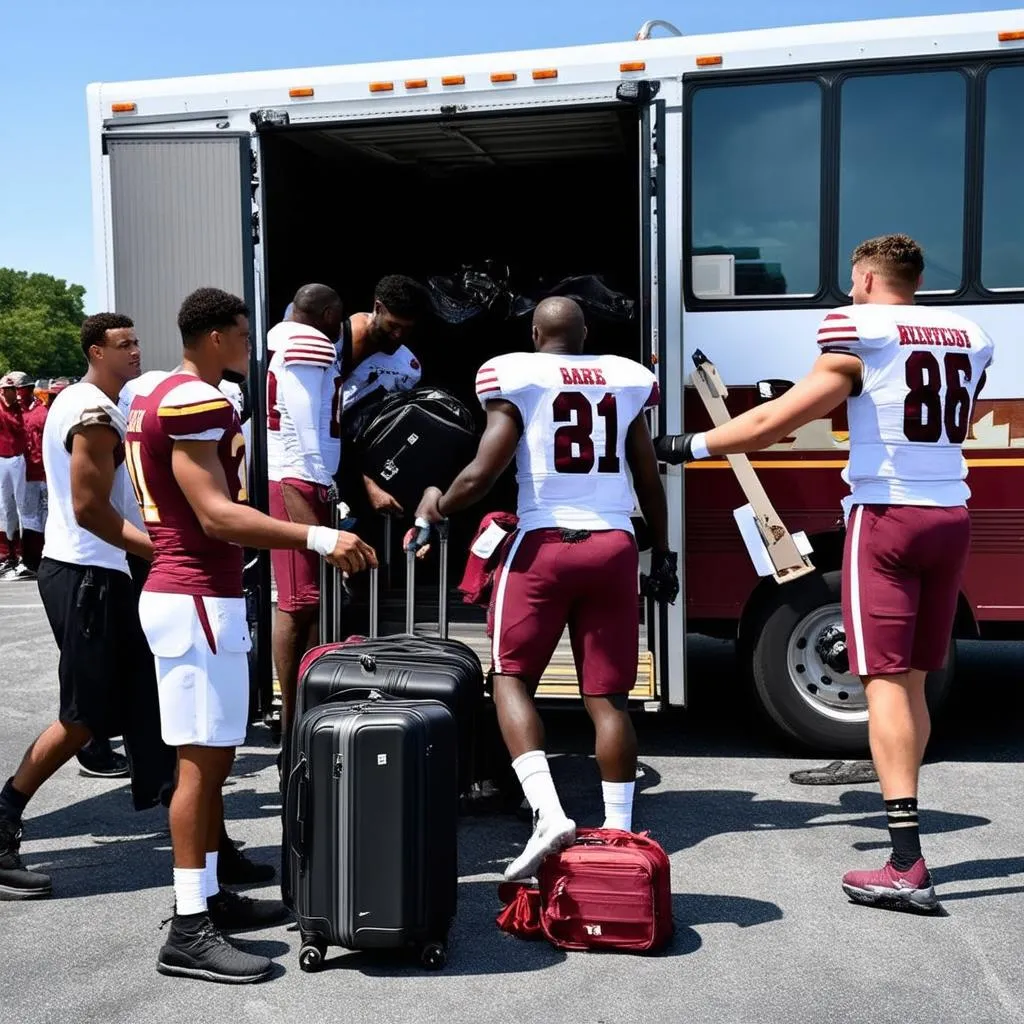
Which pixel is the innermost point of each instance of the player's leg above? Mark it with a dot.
(530, 607)
(882, 589)
(32, 518)
(604, 626)
(8, 515)
(21, 570)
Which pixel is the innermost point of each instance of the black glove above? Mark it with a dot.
(663, 583)
(674, 448)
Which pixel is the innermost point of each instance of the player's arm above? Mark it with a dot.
(301, 391)
(830, 382)
(496, 450)
(643, 465)
(199, 473)
(93, 472)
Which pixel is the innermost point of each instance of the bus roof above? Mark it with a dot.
(775, 47)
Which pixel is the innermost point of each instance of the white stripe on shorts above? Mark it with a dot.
(499, 602)
(861, 667)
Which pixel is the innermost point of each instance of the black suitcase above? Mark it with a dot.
(371, 812)
(420, 438)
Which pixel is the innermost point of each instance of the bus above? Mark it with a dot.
(714, 185)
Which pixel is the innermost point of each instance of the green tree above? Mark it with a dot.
(40, 319)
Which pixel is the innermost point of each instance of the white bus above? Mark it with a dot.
(719, 182)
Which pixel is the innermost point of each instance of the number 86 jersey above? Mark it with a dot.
(576, 411)
(922, 370)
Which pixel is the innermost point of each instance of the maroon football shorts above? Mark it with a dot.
(297, 573)
(546, 583)
(902, 571)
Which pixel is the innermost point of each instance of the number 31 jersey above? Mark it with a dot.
(576, 410)
(922, 369)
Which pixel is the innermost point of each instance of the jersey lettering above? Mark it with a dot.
(582, 375)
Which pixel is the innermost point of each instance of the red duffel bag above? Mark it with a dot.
(609, 890)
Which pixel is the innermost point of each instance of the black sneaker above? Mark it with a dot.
(16, 881)
(231, 912)
(195, 948)
(97, 758)
(234, 868)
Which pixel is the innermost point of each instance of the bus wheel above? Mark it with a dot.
(801, 672)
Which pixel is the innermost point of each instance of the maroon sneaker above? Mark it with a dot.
(896, 890)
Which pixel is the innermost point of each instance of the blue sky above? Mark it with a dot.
(51, 49)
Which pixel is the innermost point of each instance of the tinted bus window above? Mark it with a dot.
(902, 168)
(755, 197)
(1002, 240)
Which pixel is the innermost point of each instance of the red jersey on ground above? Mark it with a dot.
(184, 408)
(34, 420)
(12, 431)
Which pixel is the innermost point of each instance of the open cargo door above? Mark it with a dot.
(181, 218)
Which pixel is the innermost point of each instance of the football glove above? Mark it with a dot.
(663, 583)
(674, 448)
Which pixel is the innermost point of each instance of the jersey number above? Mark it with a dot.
(574, 444)
(924, 412)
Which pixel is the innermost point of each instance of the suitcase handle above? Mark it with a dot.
(296, 797)
(421, 537)
(358, 693)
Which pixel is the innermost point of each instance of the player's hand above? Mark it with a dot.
(352, 554)
(381, 502)
(674, 448)
(427, 508)
(663, 583)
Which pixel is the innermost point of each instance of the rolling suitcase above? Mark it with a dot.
(371, 810)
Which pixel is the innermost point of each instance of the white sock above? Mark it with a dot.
(212, 885)
(189, 894)
(618, 805)
(534, 776)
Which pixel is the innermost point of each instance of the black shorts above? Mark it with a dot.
(94, 616)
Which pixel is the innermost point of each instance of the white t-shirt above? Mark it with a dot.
(303, 399)
(922, 367)
(79, 406)
(396, 371)
(576, 410)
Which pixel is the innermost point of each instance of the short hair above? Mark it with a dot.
(208, 309)
(403, 296)
(897, 257)
(95, 327)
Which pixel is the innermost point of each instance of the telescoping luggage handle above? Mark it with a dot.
(422, 536)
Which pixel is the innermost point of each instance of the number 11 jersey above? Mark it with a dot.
(575, 410)
(922, 369)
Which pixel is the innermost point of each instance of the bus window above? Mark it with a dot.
(755, 195)
(902, 163)
(1002, 255)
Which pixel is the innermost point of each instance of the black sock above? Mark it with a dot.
(12, 803)
(903, 831)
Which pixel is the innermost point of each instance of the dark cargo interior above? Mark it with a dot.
(549, 195)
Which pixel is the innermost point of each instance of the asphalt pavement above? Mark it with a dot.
(763, 930)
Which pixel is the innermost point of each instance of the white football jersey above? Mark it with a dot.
(303, 404)
(571, 459)
(922, 368)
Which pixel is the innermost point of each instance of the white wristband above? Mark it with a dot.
(699, 447)
(322, 539)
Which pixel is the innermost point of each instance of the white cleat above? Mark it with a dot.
(550, 836)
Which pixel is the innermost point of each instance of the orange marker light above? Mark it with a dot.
(122, 108)
(633, 65)
(297, 94)
(381, 86)
(709, 61)
(415, 83)
(1010, 37)
(543, 73)
(453, 80)
(503, 76)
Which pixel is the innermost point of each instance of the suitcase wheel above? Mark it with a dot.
(434, 956)
(311, 956)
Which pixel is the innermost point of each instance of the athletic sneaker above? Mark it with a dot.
(20, 572)
(16, 881)
(895, 890)
(196, 948)
(98, 760)
(234, 868)
(231, 912)
(549, 836)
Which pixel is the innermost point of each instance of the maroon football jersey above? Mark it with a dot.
(186, 560)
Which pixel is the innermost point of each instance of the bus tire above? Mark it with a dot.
(796, 663)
